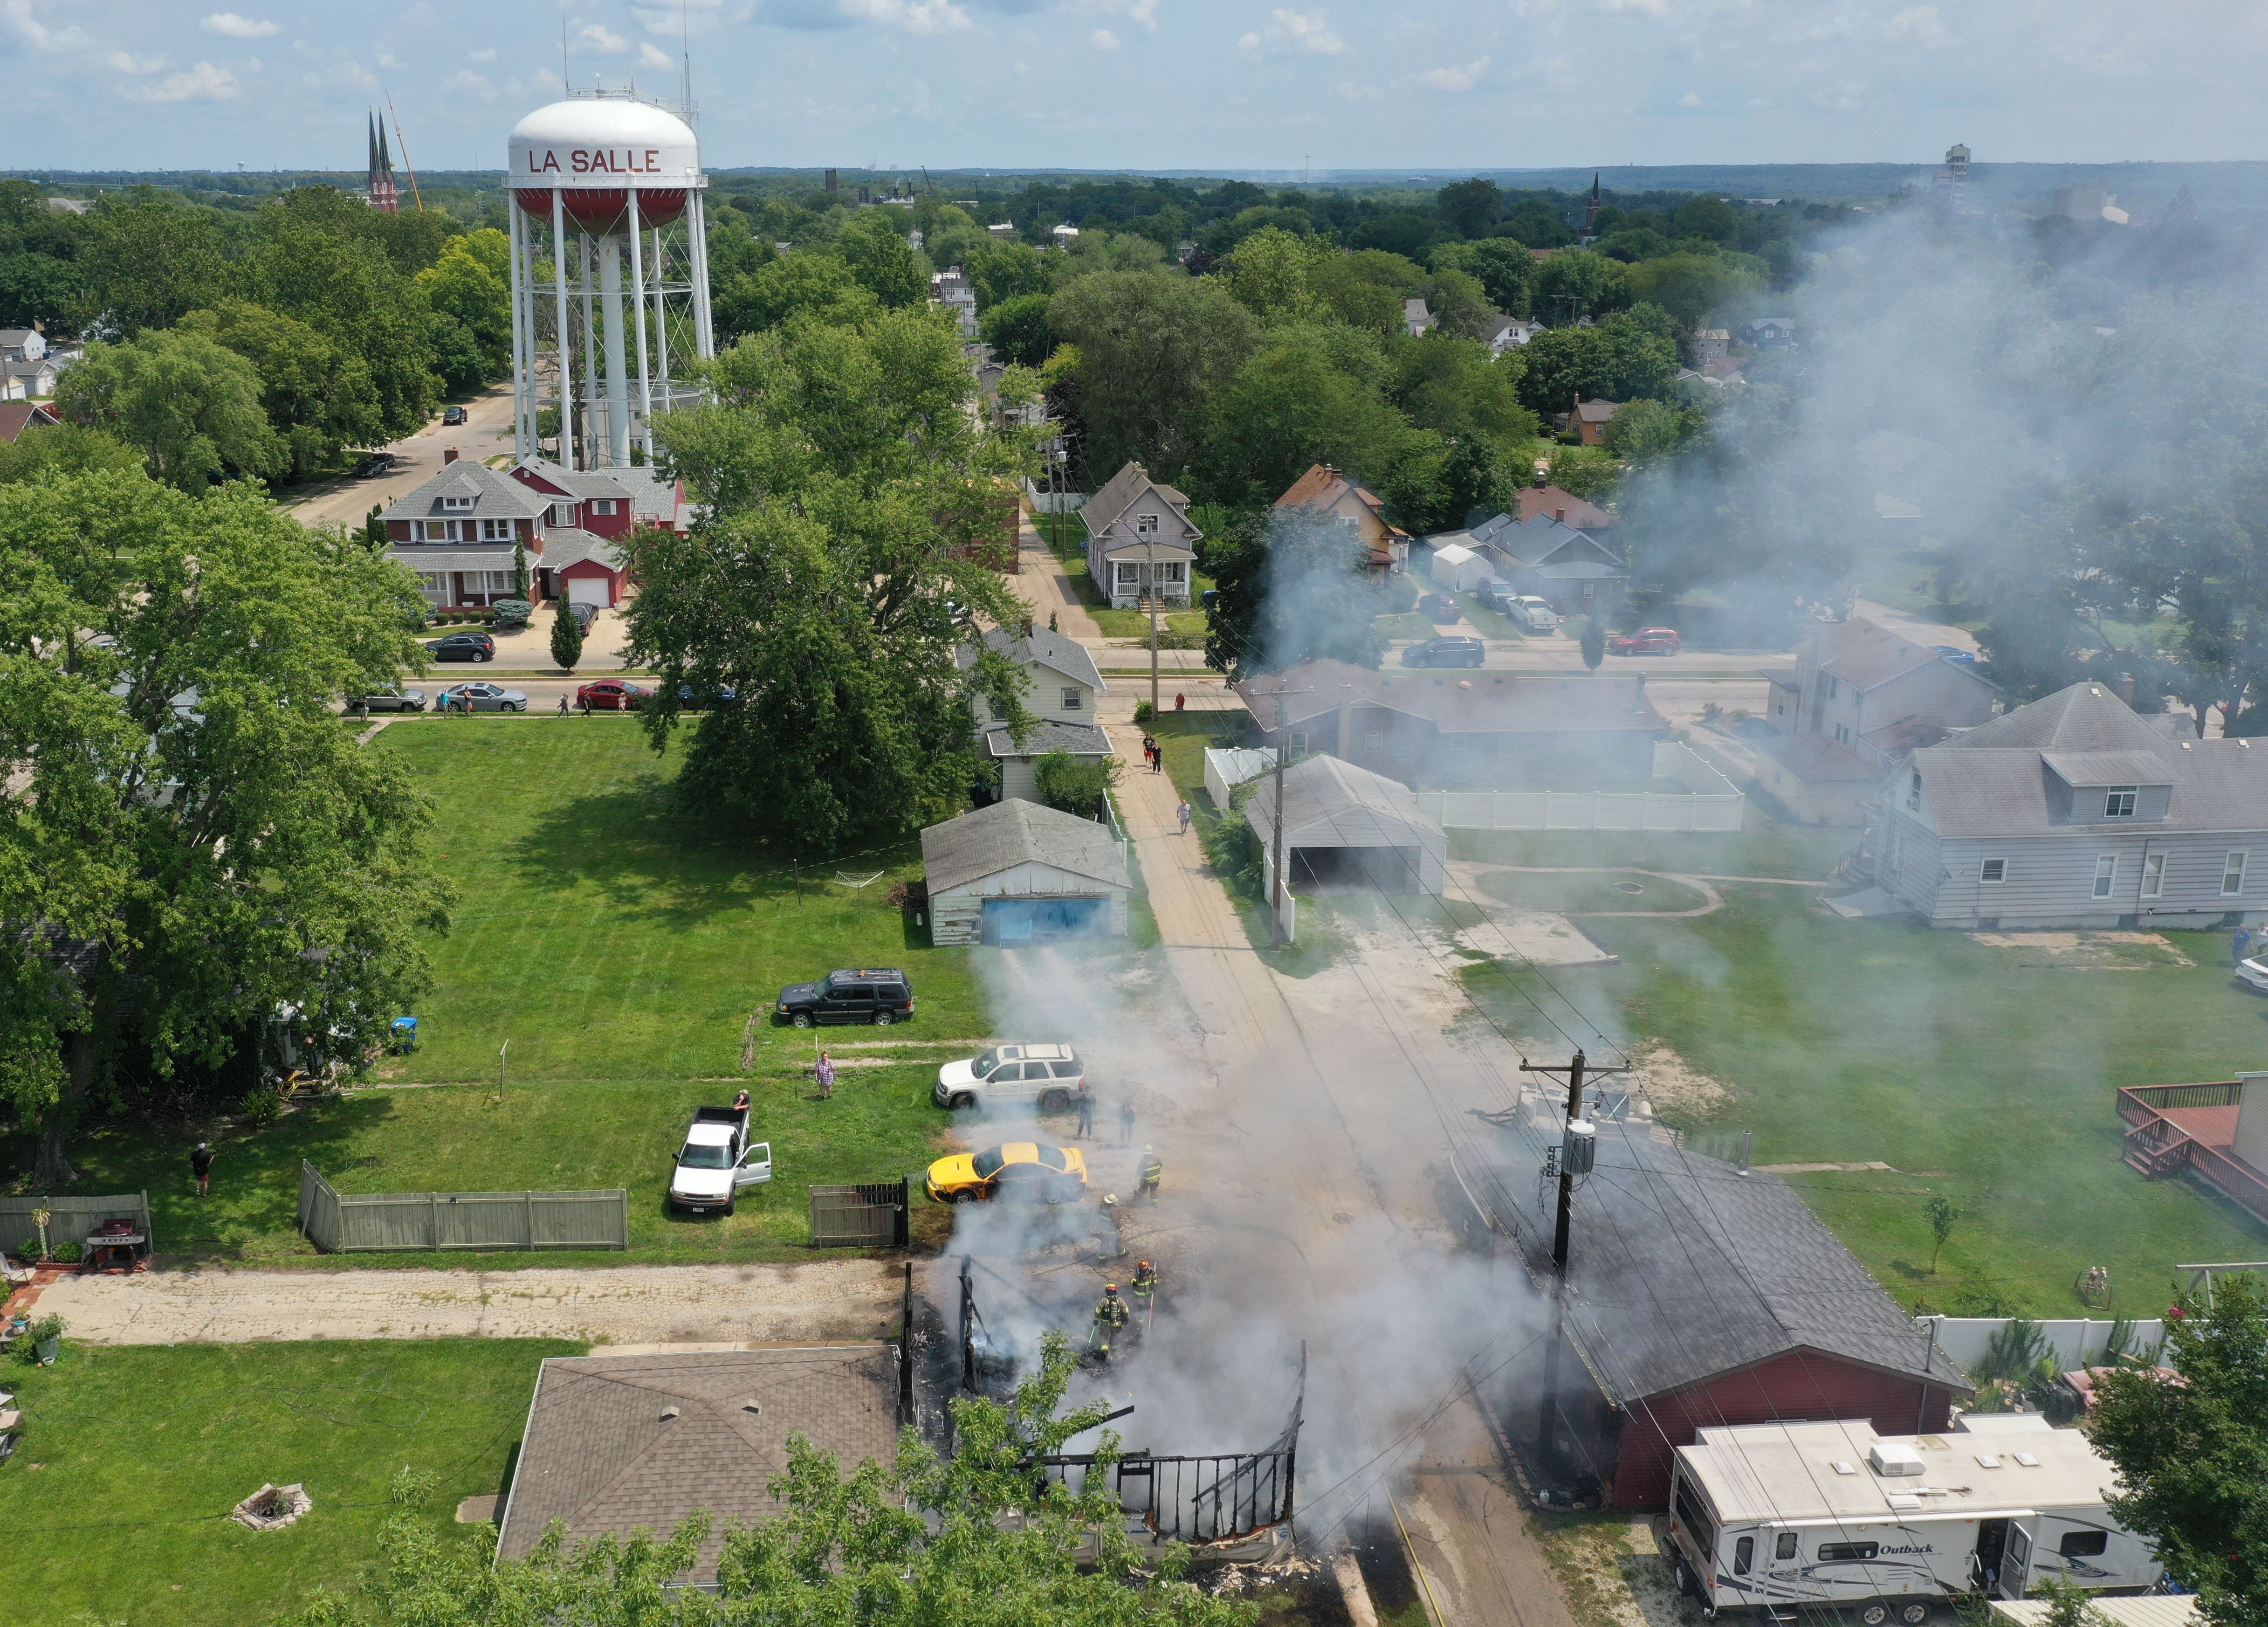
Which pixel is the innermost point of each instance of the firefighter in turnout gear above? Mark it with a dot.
(1110, 1315)
(1145, 1282)
(1153, 1172)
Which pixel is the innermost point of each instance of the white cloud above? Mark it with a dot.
(1920, 23)
(1691, 99)
(916, 16)
(126, 61)
(487, 55)
(1652, 8)
(465, 79)
(1104, 39)
(547, 79)
(1455, 78)
(386, 59)
(235, 28)
(202, 83)
(1144, 12)
(1755, 104)
(1347, 91)
(599, 37)
(1295, 31)
(653, 57)
(26, 27)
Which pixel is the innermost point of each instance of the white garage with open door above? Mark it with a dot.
(1351, 831)
(1020, 872)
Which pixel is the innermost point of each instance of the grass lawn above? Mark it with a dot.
(629, 953)
(1406, 627)
(1986, 1074)
(133, 1455)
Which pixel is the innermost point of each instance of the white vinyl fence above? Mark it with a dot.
(1045, 502)
(1712, 803)
(1225, 767)
(2077, 1342)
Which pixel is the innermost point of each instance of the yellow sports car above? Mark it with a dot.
(1020, 1172)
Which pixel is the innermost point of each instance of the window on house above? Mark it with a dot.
(1590, 591)
(602, 506)
(2154, 875)
(457, 505)
(1170, 572)
(1000, 709)
(1129, 573)
(488, 581)
(562, 513)
(1145, 524)
(1372, 739)
(1828, 679)
(1298, 744)
(1914, 794)
(2106, 872)
(2232, 876)
(435, 585)
(496, 531)
(2118, 802)
(1993, 872)
(1071, 700)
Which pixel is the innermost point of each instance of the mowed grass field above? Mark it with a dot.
(1988, 1074)
(629, 954)
(132, 1457)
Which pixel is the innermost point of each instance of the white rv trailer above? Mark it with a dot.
(1772, 1516)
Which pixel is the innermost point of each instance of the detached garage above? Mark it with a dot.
(1021, 872)
(1351, 830)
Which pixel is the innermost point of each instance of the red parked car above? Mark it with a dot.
(1645, 640)
(611, 695)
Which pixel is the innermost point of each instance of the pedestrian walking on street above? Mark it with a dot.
(1153, 1172)
(1086, 1109)
(1126, 1121)
(1149, 753)
(201, 1163)
(1185, 814)
(563, 703)
(1180, 701)
(823, 1070)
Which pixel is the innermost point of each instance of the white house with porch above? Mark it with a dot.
(1139, 531)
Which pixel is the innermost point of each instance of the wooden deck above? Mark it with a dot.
(2192, 1127)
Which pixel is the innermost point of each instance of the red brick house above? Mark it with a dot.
(462, 531)
(1699, 1295)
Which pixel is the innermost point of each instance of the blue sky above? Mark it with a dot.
(1153, 84)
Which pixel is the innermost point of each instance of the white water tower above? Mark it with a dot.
(609, 275)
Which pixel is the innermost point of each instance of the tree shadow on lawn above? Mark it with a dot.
(254, 1207)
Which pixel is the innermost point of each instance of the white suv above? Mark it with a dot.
(1045, 1076)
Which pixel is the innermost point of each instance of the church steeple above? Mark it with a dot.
(381, 169)
(1591, 208)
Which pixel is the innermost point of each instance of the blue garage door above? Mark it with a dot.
(1044, 920)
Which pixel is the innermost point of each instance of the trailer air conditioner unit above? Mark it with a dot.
(1888, 1458)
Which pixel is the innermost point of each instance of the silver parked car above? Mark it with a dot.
(483, 697)
(1017, 1076)
(388, 699)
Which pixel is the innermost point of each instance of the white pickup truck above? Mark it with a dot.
(717, 1161)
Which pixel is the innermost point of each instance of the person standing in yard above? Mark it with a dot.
(742, 1105)
(1086, 1109)
(201, 1163)
(823, 1070)
(2241, 945)
(1185, 814)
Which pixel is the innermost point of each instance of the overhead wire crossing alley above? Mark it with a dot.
(1467, 1530)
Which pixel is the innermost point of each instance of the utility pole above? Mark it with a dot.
(1578, 1145)
(1150, 571)
(1276, 859)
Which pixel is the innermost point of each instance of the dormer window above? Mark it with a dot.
(2118, 802)
(1145, 524)
(562, 513)
(457, 505)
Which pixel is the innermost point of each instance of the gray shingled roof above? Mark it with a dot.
(601, 1456)
(495, 495)
(571, 545)
(1682, 1269)
(454, 556)
(1355, 808)
(1042, 648)
(1995, 780)
(988, 841)
(650, 498)
(1081, 739)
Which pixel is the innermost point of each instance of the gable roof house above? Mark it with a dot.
(2073, 811)
(1589, 420)
(1491, 729)
(34, 379)
(1061, 691)
(614, 1443)
(18, 417)
(1578, 571)
(593, 514)
(1134, 525)
(1504, 333)
(458, 532)
(1323, 490)
(1564, 506)
(22, 344)
(1699, 1297)
(1345, 828)
(1417, 320)
(1020, 872)
(1865, 691)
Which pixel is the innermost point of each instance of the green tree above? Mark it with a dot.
(1942, 1215)
(1291, 407)
(1017, 329)
(1502, 266)
(1074, 785)
(468, 290)
(1001, 269)
(1365, 288)
(1153, 349)
(815, 286)
(1621, 358)
(1712, 218)
(1690, 287)
(318, 395)
(189, 406)
(1293, 587)
(1645, 431)
(193, 842)
(64, 449)
(847, 491)
(1454, 386)
(2192, 1456)
(1594, 643)
(566, 633)
(881, 261)
(1459, 304)
(1268, 273)
(148, 259)
(520, 570)
(1576, 283)
(1471, 206)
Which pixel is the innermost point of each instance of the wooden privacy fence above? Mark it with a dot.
(873, 1215)
(71, 1218)
(403, 1222)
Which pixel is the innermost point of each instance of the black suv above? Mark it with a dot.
(1445, 652)
(881, 998)
(463, 647)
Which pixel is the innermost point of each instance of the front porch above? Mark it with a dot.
(1127, 583)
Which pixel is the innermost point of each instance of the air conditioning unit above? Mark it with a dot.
(1889, 1458)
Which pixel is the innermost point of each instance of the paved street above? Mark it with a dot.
(488, 432)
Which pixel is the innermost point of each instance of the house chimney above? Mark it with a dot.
(1346, 720)
(1637, 701)
(449, 455)
(1560, 515)
(2126, 688)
